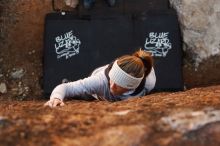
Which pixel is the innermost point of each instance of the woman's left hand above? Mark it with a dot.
(54, 103)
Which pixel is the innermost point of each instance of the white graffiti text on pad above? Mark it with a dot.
(67, 45)
(158, 43)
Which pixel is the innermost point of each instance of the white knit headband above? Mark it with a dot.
(123, 79)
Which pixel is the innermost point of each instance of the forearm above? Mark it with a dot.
(86, 86)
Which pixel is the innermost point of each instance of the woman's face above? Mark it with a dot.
(117, 90)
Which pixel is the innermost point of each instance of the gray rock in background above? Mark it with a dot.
(200, 22)
(3, 88)
(1, 75)
(17, 73)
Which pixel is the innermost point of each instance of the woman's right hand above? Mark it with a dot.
(54, 103)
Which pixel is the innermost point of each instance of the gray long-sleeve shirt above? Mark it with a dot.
(97, 85)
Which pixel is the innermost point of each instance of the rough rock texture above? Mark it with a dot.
(22, 26)
(160, 119)
(200, 21)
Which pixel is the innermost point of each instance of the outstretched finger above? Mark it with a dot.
(54, 103)
(62, 103)
(47, 103)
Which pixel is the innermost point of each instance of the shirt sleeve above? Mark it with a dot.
(86, 86)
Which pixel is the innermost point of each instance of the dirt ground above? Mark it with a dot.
(94, 123)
